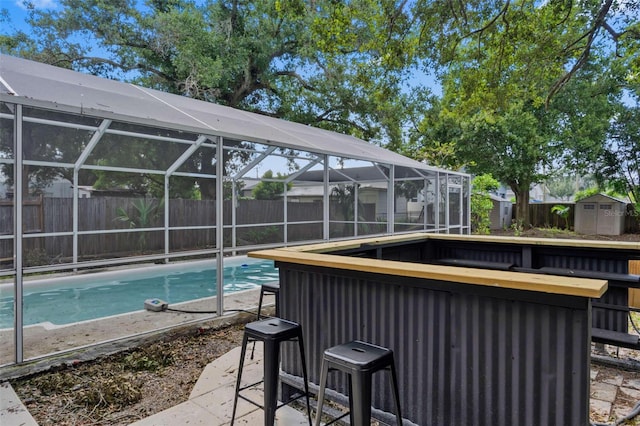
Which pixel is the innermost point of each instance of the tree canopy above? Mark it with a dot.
(528, 87)
(329, 64)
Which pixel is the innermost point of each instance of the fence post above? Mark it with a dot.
(634, 293)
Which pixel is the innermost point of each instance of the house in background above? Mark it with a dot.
(600, 214)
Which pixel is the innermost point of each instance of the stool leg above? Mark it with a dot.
(323, 382)
(304, 374)
(361, 399)
(235, 398)
(396, 394)
(260, 303)
(271, 370)
(253, 349)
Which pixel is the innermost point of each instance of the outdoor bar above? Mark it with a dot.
(472, 346)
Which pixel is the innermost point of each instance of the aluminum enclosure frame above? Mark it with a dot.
(31, 86)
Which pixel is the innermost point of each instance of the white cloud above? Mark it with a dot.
(37, 4)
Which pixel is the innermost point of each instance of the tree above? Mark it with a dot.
(336, 65)
(561, 186)
(560, 37)
(501, 63)
(620, 162)
(481, 204)
(270, 187)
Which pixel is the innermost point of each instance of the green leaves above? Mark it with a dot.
(481, 204)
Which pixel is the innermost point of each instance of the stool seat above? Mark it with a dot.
(273, 286)
(359, 355)
(272, 329)
(272, 332)
(360, 360)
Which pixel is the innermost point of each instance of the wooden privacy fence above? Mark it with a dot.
(541, 215)
(634, 294)
(254, 220)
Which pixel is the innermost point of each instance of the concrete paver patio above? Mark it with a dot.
(211, 400)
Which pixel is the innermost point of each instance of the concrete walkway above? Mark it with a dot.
(211, 400)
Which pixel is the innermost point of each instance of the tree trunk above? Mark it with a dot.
(522, 205)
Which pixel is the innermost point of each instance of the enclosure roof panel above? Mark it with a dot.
(36, 84)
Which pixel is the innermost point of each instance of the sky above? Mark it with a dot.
(17, 12)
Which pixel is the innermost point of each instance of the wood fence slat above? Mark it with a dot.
(634, 293)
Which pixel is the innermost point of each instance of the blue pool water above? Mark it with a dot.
(78, 298)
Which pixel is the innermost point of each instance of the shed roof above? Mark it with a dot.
(36, 84)
(602, 197)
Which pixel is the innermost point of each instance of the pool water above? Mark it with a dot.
(79, 298)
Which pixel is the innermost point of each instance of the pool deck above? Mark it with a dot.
(211, 399)
(40, 340)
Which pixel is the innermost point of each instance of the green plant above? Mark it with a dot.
(145, 212)
(267, 234)
(563, 212)
(517, 227)
(481, 204)
(36, 257)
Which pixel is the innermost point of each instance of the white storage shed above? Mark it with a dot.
(501, 213)
(600, 214)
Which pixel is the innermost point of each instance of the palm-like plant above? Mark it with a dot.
(563, 212)
(146, 211)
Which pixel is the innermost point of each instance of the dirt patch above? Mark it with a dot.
(123, 388)
(562, 233)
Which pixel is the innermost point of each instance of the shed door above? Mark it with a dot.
(606, 220)
(589, 218)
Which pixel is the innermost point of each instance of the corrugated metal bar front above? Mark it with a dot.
(466, 355)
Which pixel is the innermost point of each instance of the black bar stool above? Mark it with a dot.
(359, 360)
(271, 332)
(269, 288)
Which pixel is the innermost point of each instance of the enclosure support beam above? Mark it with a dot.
(285, 217)
(356, 197)
(18, 329)
(436, 204)
(325, 200)
(234, 206)
(219, 225)
(166, 217)
(391, 198)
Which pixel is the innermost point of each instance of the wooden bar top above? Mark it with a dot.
(422, 236)
(571, 286)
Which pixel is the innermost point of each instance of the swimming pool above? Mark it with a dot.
(66, 300)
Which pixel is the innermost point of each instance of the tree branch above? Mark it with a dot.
(598, 23)
(123, 67)
(298, 77)
(490, 23)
